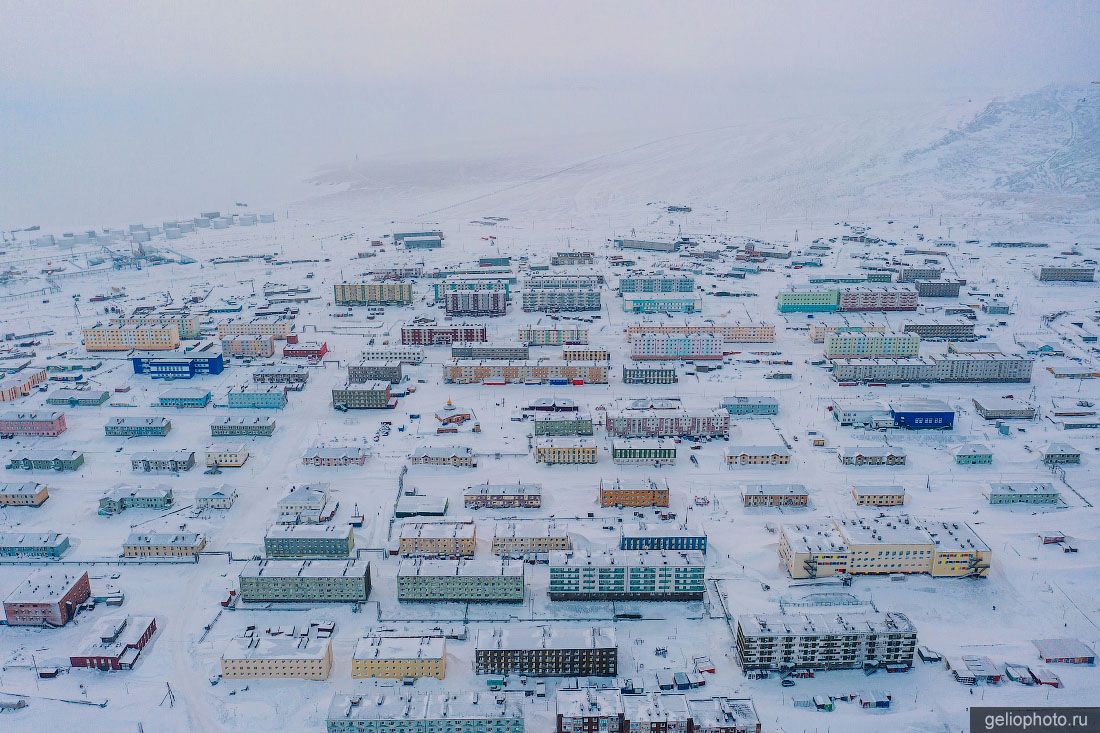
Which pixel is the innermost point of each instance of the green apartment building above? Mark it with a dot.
(563, 423)
(643, 450)
(307, 541)
(467, 581)
(809, 300)
(309, 581)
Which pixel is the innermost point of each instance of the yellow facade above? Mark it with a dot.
(399, 658)
(125, 338)
(260, 663)
(565, 454)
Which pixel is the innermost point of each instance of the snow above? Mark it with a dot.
(1016, 171)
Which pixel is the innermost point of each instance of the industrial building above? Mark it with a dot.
(922, 414)
(1000, 408)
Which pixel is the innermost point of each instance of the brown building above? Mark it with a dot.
(47, 598)
(633, 493)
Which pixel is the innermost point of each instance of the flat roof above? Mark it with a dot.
(546, 637)
(627, 558)
(306, 569)
(45, 586)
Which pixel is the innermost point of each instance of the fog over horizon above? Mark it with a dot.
(127, 111)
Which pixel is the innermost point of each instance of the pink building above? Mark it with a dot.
(884, 298)
(45, 424)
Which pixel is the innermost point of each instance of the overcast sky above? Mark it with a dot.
(101, 90)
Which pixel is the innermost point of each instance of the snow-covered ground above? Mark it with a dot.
(1023, 169)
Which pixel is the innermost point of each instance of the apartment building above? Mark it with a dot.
(255, 396)
(277, 655)
(503, 496)
(237, 426)
(938, 288)
(374, 395)
(421, 712)
(78, 397)
(667, 537)
(373, 371)
(649, 375)
(163, 461)
(883, 546)
(46, 460)
(456, 456)
(646, 493)
(164, 544)
(912, 274)
(1023, 492)
(566, 450)
(33, 424)
(47, 597)
(471, 580)
(878, 298)
(185, 398)
(942, 331)
(662, 303)
(188, 327)
(871, 455)
(983, 367)
(312, 350)
(878, 496)
(559, 300)
(249, 347)
(278, 328)
(562, 423)
(404, 355)
(573, 258)
(136, 427)
(432, 335)
(750, 406)
(656, 283)
(229, 456)
(545, 651)
(127, 338)
(647, 245)
(476, 303)
(525, 372)
(565, 335)
(327, 457)
(856, 344)
(27, 493)
(293, 376)
(656, 346)
(774, 495)
(777, 642)
(757, 455)
(649, 451)
(373, 293)
(21, 384)
(305, 581)
(584, 353)
(530, 538)
(33, 544)
(808, 299)
(308, 541)
(1057, 273)
(499, 351)
(819, 332)
(215, 497)
(634, 575)
(747, 333)
(666, 423)
(121, 498)
(438, 539)
(399, 657)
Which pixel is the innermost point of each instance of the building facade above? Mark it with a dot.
(617, 575)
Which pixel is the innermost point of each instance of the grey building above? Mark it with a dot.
(938, 288)
(491, 350)
(366, 396)
(649, 375)
(131, 427)
(912, 274)
(554, 300)
(546, 651)
(229, 426)
(181, 460)
(621, 575)
(476, 303)
(943, 331)
(373, 371)
(647, 245)
(306, 541)
(825, 641)
(305, 581)
(293, 376)
(1052, 273)
(473, 580)
(978, 367)
(563, 423)
(387, 711)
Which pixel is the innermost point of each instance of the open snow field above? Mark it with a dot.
(787, 179)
